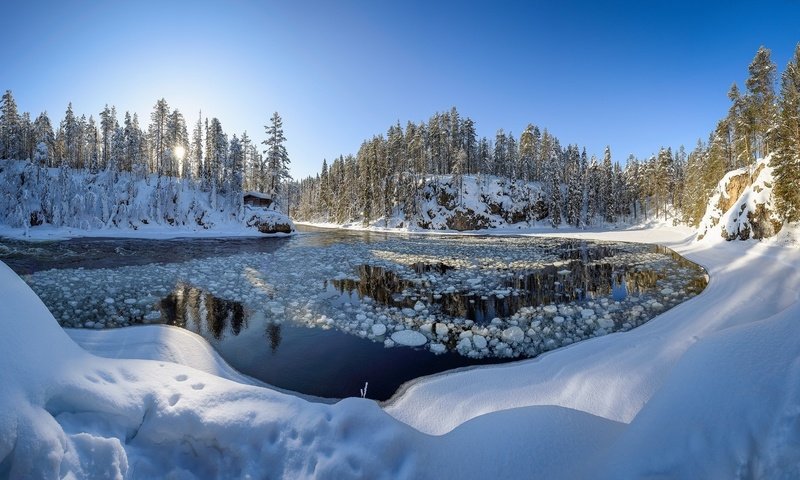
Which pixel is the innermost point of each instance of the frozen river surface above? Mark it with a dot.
(323, 312)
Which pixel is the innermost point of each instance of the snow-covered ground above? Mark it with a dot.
(709, 389)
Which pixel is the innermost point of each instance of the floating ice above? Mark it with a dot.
(409, 338)
(513, 334)
(378, 329)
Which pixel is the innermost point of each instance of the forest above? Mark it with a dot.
(92, 174)
(390, 173)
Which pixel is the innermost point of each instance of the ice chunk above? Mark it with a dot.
(441, 329)
(513, 334)
(409, 312)
(479, 341)
(551, 309)
(558, 319)
(378, 329)
(587, 312)
(437, 348)
(409, 338)
(419, 306)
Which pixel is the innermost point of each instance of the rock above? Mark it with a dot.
(513, 334)
(409, 338)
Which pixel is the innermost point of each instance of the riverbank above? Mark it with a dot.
(706, 389)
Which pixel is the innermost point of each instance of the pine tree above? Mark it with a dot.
(158, 138)
(786, 159)
(108, 125)
(43, 134)
(527, 151)
(196, 152)
(71, 132)
(761, 99)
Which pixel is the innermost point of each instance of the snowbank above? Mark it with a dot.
(707, 389)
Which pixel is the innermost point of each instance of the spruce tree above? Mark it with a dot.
(276, 157)
(10, 146)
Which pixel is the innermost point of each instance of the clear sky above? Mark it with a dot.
(633, 75)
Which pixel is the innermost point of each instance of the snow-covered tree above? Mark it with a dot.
(276, 156)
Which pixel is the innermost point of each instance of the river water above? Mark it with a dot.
(325, 311)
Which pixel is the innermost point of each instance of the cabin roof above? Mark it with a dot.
(265, 196)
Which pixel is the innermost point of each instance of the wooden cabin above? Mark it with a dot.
(257, 199)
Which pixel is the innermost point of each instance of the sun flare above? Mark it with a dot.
(180, 152)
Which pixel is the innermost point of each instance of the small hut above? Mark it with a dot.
(257, 199)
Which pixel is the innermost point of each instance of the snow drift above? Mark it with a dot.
(706, 389)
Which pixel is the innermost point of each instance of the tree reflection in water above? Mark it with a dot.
(196, 310)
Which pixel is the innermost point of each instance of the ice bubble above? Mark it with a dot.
(378, 329)
(550, 309)
(409, 338)
(441, 329)
(513, 334)
(479, 341)
(465, 344)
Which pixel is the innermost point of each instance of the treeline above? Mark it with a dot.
(209, 158)
(389, 174)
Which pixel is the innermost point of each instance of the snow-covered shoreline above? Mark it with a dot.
(707, 389)
(156, 232)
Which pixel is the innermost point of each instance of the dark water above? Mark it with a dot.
(314, 361)
(325, 362)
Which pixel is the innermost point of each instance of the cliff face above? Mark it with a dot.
(742, 206)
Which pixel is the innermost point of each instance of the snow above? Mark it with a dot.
(119, 204)
(708, 389)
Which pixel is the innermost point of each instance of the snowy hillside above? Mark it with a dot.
(707, 389)
(35, 200)
(742, 205)
(478, 202)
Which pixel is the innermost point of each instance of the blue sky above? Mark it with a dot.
(633, 75)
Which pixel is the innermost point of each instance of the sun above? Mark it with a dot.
(180, 152)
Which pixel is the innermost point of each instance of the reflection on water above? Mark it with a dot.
(199, 311)
(576, 281)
